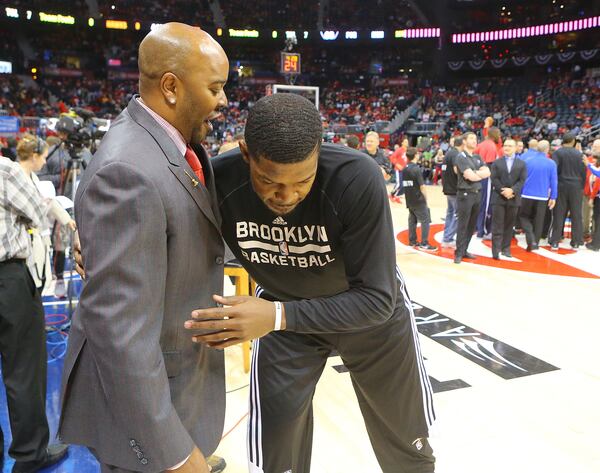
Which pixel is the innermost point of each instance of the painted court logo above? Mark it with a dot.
(472, 345)
(490, 353)
(541, 262)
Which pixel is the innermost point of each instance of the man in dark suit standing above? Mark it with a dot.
(137, 391)
(508, 177)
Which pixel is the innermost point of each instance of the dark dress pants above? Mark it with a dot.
(467, 209)
(24, 363)
(418, 214)
(570, 198)
(531, 216)
(503, 221)
(596, 235)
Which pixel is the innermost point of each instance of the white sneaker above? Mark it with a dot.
(448, 244)
(60, 289)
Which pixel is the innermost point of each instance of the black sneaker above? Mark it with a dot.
(468, 255)
(554, 246)
(589, 246)
(506, 254)
(427, 247)
(54, 454)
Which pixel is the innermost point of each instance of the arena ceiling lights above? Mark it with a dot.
(329, 35)
(233, 33)
(416, 33)
(527, 32)
(116, 25)
(58, 19)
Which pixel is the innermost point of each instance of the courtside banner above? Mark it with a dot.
(9, 125)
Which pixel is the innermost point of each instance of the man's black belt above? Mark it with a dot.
(13, 260)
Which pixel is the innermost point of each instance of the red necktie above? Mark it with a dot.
(194, 163)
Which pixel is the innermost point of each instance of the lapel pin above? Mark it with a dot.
(194, 181)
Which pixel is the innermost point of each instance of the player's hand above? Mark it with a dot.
(77, 255)
(72, 225)
(551, 203)
(195, 464)
(247, 318)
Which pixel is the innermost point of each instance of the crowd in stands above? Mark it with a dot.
(51, 96)
(76, 8)
(544, 109)
(573, 105)
(347, 14)
(157, 11)
(270, 14)
(503, 15)
(9, 49)
(323, 63)
(360, 106)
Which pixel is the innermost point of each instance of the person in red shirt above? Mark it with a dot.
(398, 160)
(488, 150)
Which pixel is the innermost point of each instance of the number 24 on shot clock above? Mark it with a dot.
(290, 63)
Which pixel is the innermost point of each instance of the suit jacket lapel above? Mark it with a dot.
(209, 178)
(197, 191)
(203, 197)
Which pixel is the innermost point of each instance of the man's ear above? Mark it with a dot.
(244, 150)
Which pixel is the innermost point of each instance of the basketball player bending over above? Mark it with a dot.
(310, 222)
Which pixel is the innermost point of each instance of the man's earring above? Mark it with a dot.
(172, 101)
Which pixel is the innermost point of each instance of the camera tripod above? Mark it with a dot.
(74, 169)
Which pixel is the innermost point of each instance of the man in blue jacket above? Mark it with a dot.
(540, 190)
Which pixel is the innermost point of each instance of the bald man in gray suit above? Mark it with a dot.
(136, 390)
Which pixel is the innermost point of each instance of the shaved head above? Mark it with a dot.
(182, 74)
(173, 47)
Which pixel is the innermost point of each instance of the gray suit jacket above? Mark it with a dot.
(135, 387)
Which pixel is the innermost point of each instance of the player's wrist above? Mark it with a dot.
(279, 322)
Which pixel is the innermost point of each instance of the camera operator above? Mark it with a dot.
(59, 169)
(22, 324)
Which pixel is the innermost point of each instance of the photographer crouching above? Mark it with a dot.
(22, 325)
